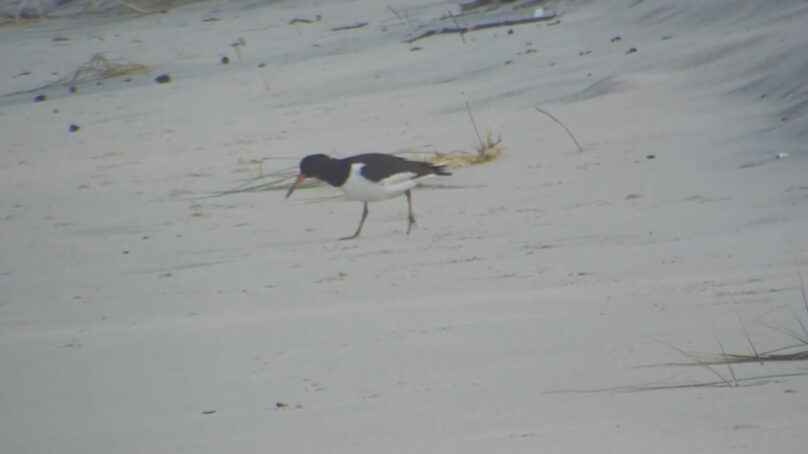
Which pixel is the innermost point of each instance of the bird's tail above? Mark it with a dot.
(439, 170)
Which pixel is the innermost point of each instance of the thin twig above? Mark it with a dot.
(349, 27)
(462, 38)
(474, 124)
(395, 13)
(474, 28)
(580, 148)
(406, 17)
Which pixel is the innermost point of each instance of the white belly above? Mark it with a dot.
(358, 188)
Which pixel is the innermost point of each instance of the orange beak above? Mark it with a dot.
(297, 182)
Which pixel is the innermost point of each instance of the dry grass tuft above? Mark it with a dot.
(96, 69)
(487, 150)
(794, 352)
(100, 67)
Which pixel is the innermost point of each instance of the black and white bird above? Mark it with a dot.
(368, 178)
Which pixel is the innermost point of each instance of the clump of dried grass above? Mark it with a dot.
(486, 151)
(794, 352)
(100, 67)
(96, 69)
(728, 378)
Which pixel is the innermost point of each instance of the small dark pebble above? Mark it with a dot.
(261, 65)
(584, 52)
(98, 83)
(72, 89)
(225, 60)
(163, 79)
(616, 39)
(56, 111)
(281, 405)
(631, 50)
(650, 156)
(73, 128)
(125, 252)
(665, 38)
(508, 62)
(209, 412)
(40, 98)
(415, 49)
(510, 31)
(128, 79)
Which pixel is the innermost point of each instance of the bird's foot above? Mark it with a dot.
(411, 223)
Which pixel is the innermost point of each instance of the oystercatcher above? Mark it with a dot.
(368, 178)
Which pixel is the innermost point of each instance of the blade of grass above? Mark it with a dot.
(748, 339)
(788, 332)
(696, 361)
(804, 302)
(729, 364)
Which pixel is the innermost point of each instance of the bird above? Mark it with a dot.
(368, 177)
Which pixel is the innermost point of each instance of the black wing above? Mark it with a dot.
(379, 166)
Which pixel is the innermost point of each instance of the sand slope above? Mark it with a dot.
(138, 316)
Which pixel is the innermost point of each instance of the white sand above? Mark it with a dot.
(128, 307)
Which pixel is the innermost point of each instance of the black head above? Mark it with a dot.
(313, 166)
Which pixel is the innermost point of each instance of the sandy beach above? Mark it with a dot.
(551, 300)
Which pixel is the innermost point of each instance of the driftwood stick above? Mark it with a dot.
(569, 133)
(349, 27)
(474, 28)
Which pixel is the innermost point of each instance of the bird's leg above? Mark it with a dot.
(410, 216)
(361, 223)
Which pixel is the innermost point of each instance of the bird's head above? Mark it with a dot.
(310, 166)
